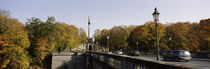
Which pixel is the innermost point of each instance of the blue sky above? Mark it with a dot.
(108, 13)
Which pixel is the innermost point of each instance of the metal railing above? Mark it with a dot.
(126, 62)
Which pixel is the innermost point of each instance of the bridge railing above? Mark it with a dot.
(126, 62)
(200, 55)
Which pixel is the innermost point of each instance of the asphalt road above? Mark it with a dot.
(195, 62)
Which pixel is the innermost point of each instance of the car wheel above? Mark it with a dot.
(187, 60)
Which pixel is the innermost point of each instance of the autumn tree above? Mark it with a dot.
(40, 31)
(178, 32)
(40, 50)
(13, 44)
(82, 35)
(97, 35)
(205, 37)
(50, 36)
(101, 36)
(117, 38)
(68, 36)
(194, 38)
(145, 35)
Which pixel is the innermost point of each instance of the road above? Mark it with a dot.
(195, 62)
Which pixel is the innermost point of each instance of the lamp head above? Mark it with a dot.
(156, 15)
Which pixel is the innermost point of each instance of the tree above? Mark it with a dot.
(40, 31)
(83, 35)
(117, 38)
(193, 38)
(40, 50)
(67, 36)
(96, 35)
(205, 37)
(13, 44)
(145, 35)
(14, 58)
(48, 36)
(102, 37)
(4, 13)
(178, 32)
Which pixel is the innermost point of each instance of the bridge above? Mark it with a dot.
(90, 60)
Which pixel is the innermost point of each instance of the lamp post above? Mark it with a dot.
(156, 19)
(96, 46)
(170, 42)
(88, 38)
(137, 45)
(108, 43)
(87, 44)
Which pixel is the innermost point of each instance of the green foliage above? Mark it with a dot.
(67, 36)
(40, 31)
(117, 38)
(49, 36)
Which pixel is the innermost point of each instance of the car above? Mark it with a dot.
(133, 53)
(177, 55)
(119, 52)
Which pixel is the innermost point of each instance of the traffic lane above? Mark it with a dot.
(193, 63)
(201, 59)
(154, 57)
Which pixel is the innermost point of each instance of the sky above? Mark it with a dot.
(105, 14)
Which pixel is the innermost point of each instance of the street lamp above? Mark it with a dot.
(170, 38)
(108, 43)
(88, 38)
(170, 42)
(86, 44)
(137, 45)
(97, 45)
(156, 19)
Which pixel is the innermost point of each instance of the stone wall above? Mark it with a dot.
(68, 60)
